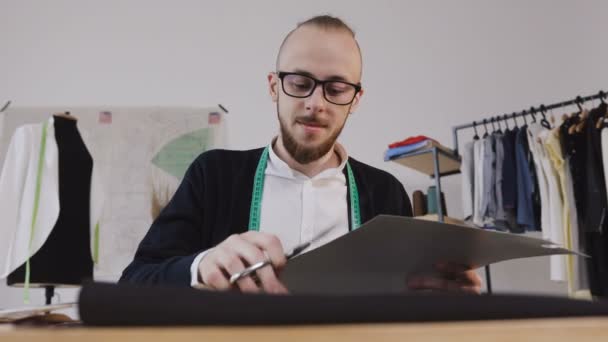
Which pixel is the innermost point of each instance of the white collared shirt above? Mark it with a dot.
(296, 207)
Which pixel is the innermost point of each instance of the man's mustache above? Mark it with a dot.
(312, 120)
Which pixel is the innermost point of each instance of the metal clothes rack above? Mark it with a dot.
(542, 109)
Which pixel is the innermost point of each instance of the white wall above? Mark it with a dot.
(428, 65)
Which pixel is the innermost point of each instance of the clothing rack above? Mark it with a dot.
(542, 109)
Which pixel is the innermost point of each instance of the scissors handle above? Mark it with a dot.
(246, 272)
(249, 270)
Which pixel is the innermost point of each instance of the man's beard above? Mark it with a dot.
(301, 153)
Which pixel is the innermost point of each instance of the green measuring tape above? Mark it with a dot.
(258, 189)
(26, 286)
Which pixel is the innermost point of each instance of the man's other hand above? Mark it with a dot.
(450, 278)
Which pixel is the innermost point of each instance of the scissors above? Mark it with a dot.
(296, 251)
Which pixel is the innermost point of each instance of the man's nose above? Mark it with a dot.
(316, 101)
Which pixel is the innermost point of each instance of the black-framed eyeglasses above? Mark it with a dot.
(337, 92)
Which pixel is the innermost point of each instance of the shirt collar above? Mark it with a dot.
(277, 167)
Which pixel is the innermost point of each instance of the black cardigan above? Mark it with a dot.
(213, 202)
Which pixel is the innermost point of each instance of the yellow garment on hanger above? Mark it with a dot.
(554, 150)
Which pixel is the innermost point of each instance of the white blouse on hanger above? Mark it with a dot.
(555, 229)
(467, 169)
(478, 187)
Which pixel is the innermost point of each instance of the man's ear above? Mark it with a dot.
(355, 103)
(273, 86)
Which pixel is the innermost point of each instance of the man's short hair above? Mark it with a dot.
(326, 22)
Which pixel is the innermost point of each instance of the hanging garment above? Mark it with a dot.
(554, 231)
(478, 187)
(65, 258)
(488, 202)
(538, 153)
(604, 148)
(500, 219)
(553, 147)
(467, 169)
(509, 179)
(573, 148)
(24, 229)
(525, 210)
(595, 225)
(594, 220)
(580, 274)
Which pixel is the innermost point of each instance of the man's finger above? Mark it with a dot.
(451, 268)
(270, 244)
(469, 278)
(213, 276)
(269, 280)
(232, 263)
(471, 289)
(427, 283)
(253, 254)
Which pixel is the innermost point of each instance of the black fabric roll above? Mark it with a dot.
(132, 305)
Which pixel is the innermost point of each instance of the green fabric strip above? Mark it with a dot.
(26, 292)
(96, 245)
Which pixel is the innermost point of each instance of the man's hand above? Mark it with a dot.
(238, 252)
(451, 278)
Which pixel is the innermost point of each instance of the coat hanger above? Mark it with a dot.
(493, 127)
(498, 123)
(485, 126)
(544, 121)
(506, 118)
(579, 104)
(601, 120)
(514, 120)
(523, 115)
(533, 114)
(578, 118)
(476, 136)
(582, 114)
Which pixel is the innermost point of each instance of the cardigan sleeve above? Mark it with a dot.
(405, 207)
(174, 239)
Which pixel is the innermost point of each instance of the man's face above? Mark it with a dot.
(311, 125)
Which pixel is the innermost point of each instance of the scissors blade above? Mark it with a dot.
(300, 248)
(296, 251)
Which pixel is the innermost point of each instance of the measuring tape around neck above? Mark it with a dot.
(258, 189)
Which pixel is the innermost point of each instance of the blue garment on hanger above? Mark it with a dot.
(525, 186)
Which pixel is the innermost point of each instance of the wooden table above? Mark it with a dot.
(537, 330)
